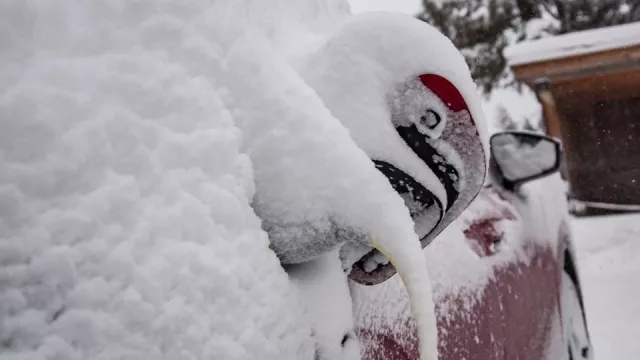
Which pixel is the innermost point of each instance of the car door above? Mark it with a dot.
(495, 287)
(526, 272)
(469, 307)
(530, 284)
(494, 276)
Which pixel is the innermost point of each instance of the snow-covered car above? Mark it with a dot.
(504, 274)
(181, 187)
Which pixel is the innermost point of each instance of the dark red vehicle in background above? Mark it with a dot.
(504, 275)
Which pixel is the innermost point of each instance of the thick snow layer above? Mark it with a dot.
(310, 176)
(313, 183)
(136, 140)
(125, 193)
(359, 95)
(608, 258)
(573, 44)
(360, 49)
(323, 284)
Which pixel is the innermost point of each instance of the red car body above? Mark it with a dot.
(496, 275)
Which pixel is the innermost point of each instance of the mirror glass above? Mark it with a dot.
(523, 156)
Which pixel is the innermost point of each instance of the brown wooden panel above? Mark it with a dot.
(579, 66)
(615, 85)
(617, 125)
(597, 113)
(602, 142)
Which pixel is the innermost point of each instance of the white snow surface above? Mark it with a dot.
(608, 258)
(310, 176)
(323, 284)
(519, 105)
(136, 140)
(574, 44)
(361, 49)
(409, 7)
(125, 195)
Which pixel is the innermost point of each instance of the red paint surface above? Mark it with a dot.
(484, 235)
(444, 90)
(512, 319)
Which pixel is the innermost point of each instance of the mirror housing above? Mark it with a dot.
(518, 157)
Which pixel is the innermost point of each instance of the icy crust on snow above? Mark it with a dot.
(124, 194)
(315, 188)
(574, 44)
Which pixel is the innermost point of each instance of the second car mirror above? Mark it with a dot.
(520, 157)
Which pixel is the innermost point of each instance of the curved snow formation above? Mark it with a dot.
(314, 186)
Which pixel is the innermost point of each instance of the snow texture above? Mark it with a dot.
(313, 183)
(533, 221)
(608, 251)
(137, 140)
(574, 44)
(323, 284)
(125, 192)
(408, 101)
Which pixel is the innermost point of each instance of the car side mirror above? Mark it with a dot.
(519, 157)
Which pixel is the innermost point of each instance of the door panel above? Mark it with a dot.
(530, 286)
(510, 227)
(470, 325)
(530, 293)
(471, 314)
(494, 287)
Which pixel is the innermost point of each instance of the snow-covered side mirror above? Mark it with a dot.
(519, 157)
(434, 132)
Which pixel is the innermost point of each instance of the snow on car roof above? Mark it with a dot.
(573, 44)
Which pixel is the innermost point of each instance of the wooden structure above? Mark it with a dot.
(589, 86)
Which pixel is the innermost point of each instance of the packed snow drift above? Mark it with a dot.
(159, 160)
